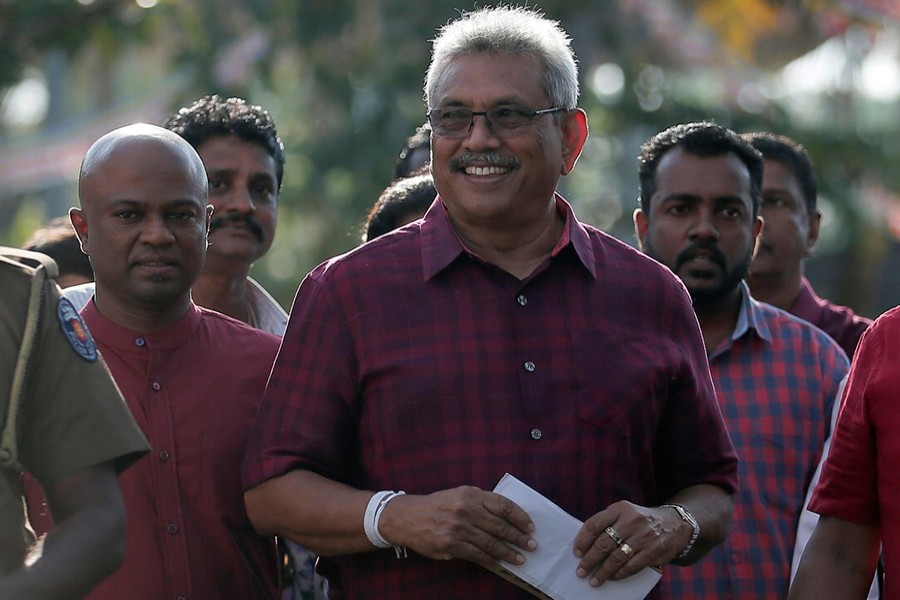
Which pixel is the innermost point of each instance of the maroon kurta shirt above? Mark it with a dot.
(410, 364)
(194, 388)
(842, 324)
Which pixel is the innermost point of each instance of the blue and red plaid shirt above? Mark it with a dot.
(776, 378)
(410, 364)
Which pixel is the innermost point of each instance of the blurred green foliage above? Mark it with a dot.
(343, 79)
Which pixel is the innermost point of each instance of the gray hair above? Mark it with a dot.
(512, 30)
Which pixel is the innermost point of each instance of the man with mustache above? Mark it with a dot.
(497, 334)
(244, 161)
(788, 236)
(776, 376)
(192, 377)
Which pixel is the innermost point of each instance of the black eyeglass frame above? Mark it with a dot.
(436, 129)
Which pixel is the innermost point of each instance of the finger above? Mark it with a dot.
(591, 530)
(489, 551)
(602, 547)
(509, 511)
(507, 522)
(620, 563)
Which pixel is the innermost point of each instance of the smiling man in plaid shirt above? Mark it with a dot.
(776, 375)
(497, 334)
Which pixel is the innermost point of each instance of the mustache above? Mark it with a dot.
(763, 246)
(232, 218)
(492, 159)
(709, 249)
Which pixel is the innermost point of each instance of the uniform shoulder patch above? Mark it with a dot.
(75, 330)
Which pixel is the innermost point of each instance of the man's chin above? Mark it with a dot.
(233, 250)
(705, 297)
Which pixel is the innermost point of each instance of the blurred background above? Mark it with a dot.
(343, 79)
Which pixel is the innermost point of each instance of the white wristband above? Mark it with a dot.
(369, 520)
(374, 509)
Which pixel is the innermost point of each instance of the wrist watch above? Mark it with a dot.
(690, 520)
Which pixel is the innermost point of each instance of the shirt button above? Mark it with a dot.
(522, 300)
(180, 598)
(156, 386)
(140, 342)
(172, 528)
(529, 366)
(536, 434)
(163, 456)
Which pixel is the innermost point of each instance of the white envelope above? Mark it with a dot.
(551, 567)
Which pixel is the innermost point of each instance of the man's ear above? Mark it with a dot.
(812, 235)
(575, 134)
(641, 226)
(757, 226)
(76, 216)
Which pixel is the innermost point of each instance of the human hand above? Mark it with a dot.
(646, 537)
(464, 522)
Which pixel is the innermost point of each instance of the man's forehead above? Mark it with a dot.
(222, 154)
(682, 174)
(471, 74)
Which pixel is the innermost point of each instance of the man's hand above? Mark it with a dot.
(464, 522)
(649, 536)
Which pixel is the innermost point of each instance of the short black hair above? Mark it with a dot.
(57, 240)
(704, 139)
(404, 197)
(792, 155)
(419, 140)
(211, 116)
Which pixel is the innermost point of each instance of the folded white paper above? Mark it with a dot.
(551, 567)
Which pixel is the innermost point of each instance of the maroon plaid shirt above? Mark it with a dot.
(410, 364)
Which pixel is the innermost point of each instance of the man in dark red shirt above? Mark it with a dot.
(789, 234)
(498, 334)
(192, 377)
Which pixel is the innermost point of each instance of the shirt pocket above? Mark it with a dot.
(620, 382)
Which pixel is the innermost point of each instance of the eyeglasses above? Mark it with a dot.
(503, 121)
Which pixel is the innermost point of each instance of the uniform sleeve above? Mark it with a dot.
(309, 413)
(847, 486)
(73, 415)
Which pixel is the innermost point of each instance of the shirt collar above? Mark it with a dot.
(114, 335)
(441, 246)
(749, 317)
(269, 314)
(808, 305)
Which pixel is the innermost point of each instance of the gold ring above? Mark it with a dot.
(614, 535)
(628, 550)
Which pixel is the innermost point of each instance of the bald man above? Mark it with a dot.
(192, 377)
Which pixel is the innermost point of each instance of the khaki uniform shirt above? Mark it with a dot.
(72, 415)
